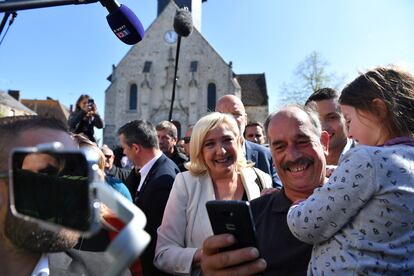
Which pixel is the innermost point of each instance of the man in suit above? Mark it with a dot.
(258, 154)
(168, 138)
(255, 133)
(150, 186)
(25, 247)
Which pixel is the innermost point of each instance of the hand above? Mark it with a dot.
(236, 262)
(106, 215)
(90, 114)
(93, 108)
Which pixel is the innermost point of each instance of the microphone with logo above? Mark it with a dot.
(123, 22)
(183, 26)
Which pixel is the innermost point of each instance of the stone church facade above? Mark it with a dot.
(142, 82)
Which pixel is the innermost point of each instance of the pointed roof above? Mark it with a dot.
(253, 89)
(48, 108)
(9, 101)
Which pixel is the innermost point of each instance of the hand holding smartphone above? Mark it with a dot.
(233, 217)
(91, 103)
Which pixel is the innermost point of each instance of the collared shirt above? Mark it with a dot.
(146, 168)
(350, 143)
(42, 267)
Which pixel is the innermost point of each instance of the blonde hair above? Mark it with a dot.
(84, 142)
(197, 165)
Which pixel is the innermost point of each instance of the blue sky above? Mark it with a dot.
(63, 52)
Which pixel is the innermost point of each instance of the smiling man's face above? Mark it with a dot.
(333, 122)
(298, 153)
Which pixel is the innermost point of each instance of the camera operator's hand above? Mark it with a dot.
(235, 262)
(92, 110)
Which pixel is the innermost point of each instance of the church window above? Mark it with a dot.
(133, 97)
(211, 97)
(147, 67)
(193, 66)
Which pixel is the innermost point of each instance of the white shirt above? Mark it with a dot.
(350, 143)
(42, 267)
(146, 168)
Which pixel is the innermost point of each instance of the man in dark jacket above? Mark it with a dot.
(151, 185)
(167, 138)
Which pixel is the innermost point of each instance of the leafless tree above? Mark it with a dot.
(310, 75)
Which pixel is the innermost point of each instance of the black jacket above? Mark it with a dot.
(152, 199)
(79, 123)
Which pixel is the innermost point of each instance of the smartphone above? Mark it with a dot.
(91, 102)
(233, 217)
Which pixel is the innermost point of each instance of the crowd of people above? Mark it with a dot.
(330, 186)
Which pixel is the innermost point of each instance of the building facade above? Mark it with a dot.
(141, 84)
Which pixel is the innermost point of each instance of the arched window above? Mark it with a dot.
(211, 97)
(133, 97)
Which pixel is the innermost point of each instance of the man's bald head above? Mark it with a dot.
(233, 105)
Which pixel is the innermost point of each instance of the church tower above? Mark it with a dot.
(141, 83)
(193, 5)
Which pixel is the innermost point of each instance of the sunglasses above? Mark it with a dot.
(186, 139)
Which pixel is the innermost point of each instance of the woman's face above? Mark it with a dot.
(219, 151)
(83, 104)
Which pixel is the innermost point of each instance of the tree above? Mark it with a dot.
(310, 75)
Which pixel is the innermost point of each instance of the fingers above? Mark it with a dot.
(236, 262)
(212, 244)
(251, 268)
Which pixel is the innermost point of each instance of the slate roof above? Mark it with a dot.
(7, 100)
(253, 89)
(48, 108)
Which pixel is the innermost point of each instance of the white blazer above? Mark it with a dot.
(185, 224)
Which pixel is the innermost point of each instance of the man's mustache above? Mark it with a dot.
(298, 162)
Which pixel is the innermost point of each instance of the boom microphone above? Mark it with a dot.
(183, 23)
(183, 26)
(123, 22)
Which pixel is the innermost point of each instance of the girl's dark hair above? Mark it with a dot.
(81, 97)
(394, 87)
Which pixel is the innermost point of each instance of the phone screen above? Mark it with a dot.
(233, 217)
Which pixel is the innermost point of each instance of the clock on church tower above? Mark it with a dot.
(170, 36)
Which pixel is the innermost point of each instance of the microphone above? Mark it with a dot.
(183, 26)
(123, 22)
(183, 22)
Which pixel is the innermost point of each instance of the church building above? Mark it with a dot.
(142, 82)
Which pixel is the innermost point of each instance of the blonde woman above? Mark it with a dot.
(217, 170)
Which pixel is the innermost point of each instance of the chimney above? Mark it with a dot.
(15, 94)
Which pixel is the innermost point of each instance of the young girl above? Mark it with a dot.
(362, 220)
